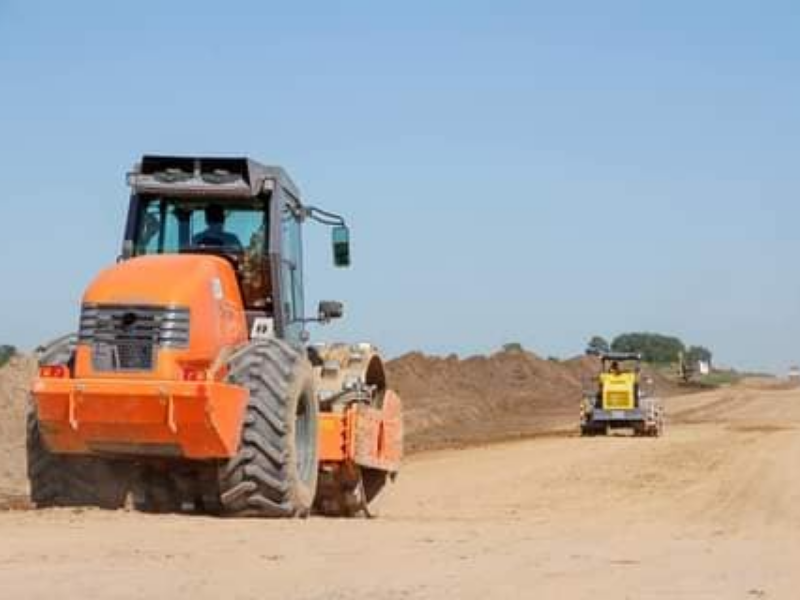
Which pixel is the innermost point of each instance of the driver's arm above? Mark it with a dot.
(232, 241)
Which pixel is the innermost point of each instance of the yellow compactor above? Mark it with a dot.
(619, 400)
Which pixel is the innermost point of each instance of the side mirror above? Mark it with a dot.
(330, 310)
(341, 246)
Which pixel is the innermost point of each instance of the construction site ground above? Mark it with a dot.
(712, 510)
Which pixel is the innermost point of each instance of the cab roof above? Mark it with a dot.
(207, 176)
(620, 356)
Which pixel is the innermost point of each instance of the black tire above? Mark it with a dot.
(374, 482)
(593, 431)
(590, 429)
(70, 481)
(59, 480)
(274, 473)
(350, 494)
(157, 493)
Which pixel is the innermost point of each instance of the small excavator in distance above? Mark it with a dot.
(191, 383)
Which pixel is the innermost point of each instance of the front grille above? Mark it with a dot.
(127, 338)
(618, 400)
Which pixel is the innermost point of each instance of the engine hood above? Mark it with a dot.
(206, 285)
(164, 280)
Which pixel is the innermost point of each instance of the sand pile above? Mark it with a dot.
(14, 381)
(770, 384)
(450, 401)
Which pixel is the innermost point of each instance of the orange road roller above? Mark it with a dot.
(192, 383)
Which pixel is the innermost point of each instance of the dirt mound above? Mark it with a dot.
(768, 384)
(450, 401)
(14, 380)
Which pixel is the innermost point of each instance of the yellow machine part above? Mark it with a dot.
(619, 391)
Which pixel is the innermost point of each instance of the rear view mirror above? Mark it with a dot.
(341, 246)
(329, 310)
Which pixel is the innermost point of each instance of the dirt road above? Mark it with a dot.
(710, 511)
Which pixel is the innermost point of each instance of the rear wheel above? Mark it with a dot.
(590, 428)
(274, 473)
(346, 493)
(157, 492)
(66, 480)
(61, 480)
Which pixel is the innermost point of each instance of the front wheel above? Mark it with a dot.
(274, 473)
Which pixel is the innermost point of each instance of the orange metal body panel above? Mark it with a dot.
(158, 412)
(192, 420)
(206, 285)
(378, 435)
(365, 436)
(155, 412)
(333, 428)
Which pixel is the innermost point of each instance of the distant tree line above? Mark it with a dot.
(6, 354)
(598, 345)
(513, 347)
(654, 348)
(696, 354)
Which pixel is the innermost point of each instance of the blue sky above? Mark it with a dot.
(529, 171)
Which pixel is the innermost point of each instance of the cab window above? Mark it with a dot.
(173, 225)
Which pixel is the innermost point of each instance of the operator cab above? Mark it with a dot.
(236, 230)
(239, 210)
(618, 385)
(619, 363)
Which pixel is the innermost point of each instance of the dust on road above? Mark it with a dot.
(710, 511)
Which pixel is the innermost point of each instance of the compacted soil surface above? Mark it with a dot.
(712, 510)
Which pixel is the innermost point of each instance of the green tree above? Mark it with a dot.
(513, 347)
(697, 354)
(654, 347)
(598, 345)
(6, 354)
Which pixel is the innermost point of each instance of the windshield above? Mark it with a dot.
(172, 225)
(620, 366)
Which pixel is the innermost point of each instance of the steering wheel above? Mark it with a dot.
(208, 240)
